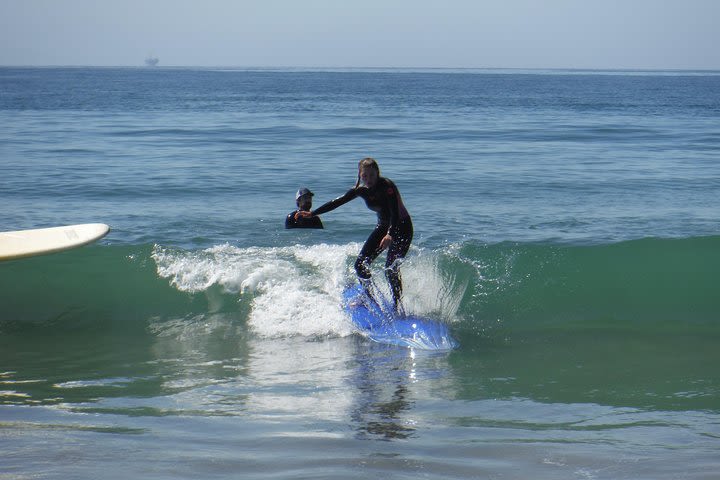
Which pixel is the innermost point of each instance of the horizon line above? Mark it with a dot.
(307, 67)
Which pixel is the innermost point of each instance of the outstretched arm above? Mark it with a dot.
(331, 205)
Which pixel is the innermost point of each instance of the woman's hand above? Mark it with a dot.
(303, 214)
(385, 242)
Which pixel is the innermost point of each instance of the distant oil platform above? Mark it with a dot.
(151, 61)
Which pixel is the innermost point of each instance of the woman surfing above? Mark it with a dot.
(394, 229)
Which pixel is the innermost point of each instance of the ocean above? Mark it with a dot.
(566, 230)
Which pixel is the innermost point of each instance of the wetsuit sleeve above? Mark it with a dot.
(290, 220)
(333, 204)
(393, 206)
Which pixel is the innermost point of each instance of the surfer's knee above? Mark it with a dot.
(361, 268)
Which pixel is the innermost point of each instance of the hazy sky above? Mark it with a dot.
(640, 34)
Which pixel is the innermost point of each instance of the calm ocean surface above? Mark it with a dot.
(566, 227)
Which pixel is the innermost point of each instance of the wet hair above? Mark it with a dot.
(366, 162)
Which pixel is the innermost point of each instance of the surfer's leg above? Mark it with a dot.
(392, 273)
(397, 251)
(368, 254)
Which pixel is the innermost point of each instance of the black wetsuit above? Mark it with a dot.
(392, 218)
(312, 222)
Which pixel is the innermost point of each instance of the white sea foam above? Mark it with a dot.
(428, 290)
(297, 290)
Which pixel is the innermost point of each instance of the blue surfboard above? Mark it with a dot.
(380, 324)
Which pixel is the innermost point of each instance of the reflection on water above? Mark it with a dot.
(382, 380)
(348, 382)
(204, 385)
(209, 366)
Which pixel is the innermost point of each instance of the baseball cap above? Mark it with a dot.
(302, 192)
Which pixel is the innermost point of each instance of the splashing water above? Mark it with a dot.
(297, 290)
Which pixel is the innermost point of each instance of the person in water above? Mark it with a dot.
(394, 229)
(303, 199)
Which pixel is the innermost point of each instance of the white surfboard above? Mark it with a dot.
(27, 243)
